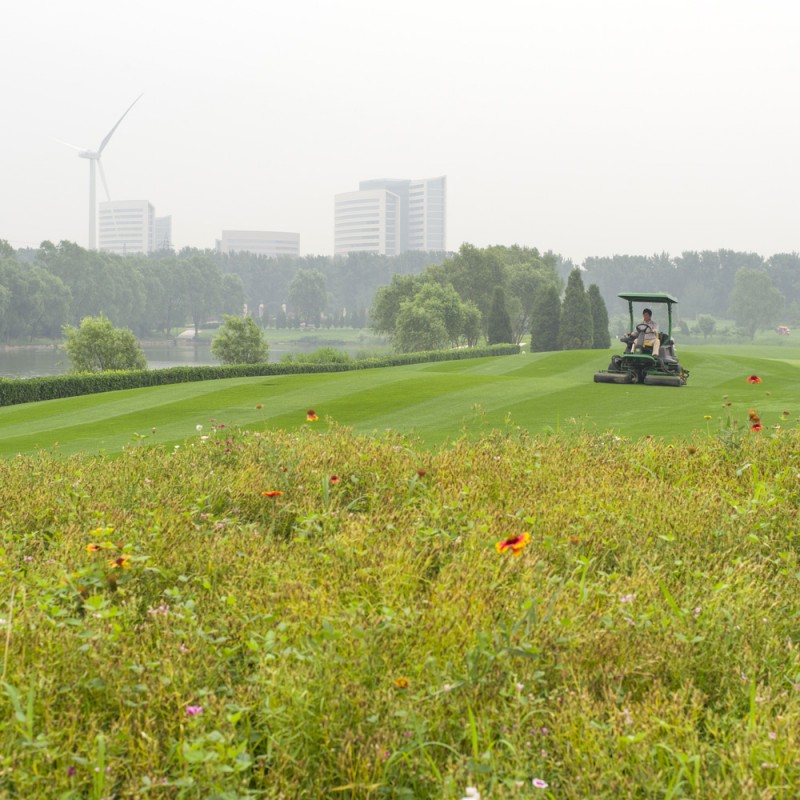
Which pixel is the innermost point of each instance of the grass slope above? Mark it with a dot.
(434, 402)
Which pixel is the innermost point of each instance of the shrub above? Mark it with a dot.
(97, 346)
(240, 341)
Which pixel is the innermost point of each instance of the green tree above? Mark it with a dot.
(443, 302)
(240, 341)
(545, 322)
(601, 338)
(474, 273)
(526, 280)
(755, 302)
(575, 327)
(232, 294)
(498, 327)
(471, 323)
(418, 329)
(201, 286)
(308, 295)
(388, 299)
(97, 346)
(707, 324)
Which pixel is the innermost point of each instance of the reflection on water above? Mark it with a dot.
(32, 362)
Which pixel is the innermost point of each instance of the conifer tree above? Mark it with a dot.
(575, 329)
(498, 328)
(600, 334)
(546, 316)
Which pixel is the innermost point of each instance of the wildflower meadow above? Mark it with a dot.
(318, 613)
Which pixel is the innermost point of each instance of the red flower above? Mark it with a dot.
(516, 544)
(756, 426)
(273, 493)
(754, 379)
(334, 479)
(421, 472)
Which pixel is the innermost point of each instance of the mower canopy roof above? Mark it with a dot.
(648, 297)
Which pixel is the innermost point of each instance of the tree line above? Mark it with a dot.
(503, 294)
(753, 290)
(43, 289)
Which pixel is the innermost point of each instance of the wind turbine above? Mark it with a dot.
(94, 159)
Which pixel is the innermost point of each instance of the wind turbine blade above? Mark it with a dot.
(67, 144)
(110, 133)
(103, 178)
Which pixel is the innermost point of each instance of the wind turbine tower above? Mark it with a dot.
(96, 164)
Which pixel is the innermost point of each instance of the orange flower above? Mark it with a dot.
(273, 493)
(120, 563)
(402, 682)
(754, 379)
(752, 414)
(259, 406)
(516, 544)
(421, 472)
(93, 548)
(311, 415)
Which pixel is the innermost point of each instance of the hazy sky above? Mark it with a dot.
(587, 127)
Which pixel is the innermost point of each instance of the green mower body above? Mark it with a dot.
(638, 364)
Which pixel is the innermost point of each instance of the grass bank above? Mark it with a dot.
(313, 613)
(436, 403)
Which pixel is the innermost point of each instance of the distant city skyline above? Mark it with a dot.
(585, 128)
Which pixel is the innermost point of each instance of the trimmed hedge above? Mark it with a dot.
(14, 391)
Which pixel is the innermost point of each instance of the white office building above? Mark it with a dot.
(126, 226)
(368, 221)
(389, 216)
(263, 243)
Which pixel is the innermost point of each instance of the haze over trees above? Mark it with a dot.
(703, 282)
(42, 289)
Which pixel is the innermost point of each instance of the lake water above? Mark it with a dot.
(31, 362)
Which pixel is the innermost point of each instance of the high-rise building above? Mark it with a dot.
(126, 226)
(389, 216)
(263, 243)
(368, 221)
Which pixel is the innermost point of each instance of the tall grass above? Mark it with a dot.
(171, 631)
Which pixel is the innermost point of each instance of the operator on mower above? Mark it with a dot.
(646, 333)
